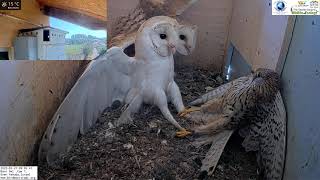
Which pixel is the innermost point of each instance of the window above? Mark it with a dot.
(4, 56)
(46, 35)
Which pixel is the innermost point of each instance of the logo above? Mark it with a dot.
(280, 5)
(314, 3)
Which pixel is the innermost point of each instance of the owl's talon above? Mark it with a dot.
(124, 107)
(183, 133)
(189, 110)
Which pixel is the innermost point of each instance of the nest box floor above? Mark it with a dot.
(148, 148)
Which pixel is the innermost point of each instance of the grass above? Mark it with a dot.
(74, 49)
(82, 49)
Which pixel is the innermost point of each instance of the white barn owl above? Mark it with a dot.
(152, 68)
(147, 77)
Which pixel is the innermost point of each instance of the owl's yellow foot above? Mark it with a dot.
(183, 133)
(189, 110)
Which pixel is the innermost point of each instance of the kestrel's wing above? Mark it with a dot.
(268, 137)
(218, 92)
(102, 82)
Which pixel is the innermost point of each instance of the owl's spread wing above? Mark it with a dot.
(101, 83)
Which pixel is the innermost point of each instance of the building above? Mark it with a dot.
(44, 43)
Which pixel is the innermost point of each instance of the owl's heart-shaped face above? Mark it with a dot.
(164, 38)
(187, 39)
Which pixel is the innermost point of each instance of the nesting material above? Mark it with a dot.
(148, 148)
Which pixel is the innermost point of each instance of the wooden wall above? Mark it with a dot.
(118, 8)
(30, 12)
(31, 91)
(93, 8)
(213, 19)
(262, 39)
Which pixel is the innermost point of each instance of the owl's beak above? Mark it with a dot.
(172, 48)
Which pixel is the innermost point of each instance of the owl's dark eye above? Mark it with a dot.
(182, 37)
(163, 36)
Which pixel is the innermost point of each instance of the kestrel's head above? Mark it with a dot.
(265, 84)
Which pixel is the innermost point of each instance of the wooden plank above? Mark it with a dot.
(96, 8)
(75, 17)
(30, 94)
(212, 18)
(286, 43)
(301, 85)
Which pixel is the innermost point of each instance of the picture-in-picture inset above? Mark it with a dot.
(53, 30)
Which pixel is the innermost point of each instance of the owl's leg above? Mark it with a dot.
(161, 102)
(133, 107)
(131, 94)
(175, 96)
(129, 98)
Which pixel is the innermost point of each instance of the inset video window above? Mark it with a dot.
(52, 30)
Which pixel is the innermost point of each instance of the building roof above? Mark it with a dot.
(37, 28)
(88, 13)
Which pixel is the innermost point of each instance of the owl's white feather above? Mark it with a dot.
(103, 82)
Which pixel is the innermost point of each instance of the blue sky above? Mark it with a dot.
(74, 29)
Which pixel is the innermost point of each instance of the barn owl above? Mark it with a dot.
(146, 77)
(152, 68)
(252, 103)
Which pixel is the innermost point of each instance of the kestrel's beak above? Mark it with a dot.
(172, 48)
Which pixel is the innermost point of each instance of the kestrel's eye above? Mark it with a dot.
(182, 37)
(259, 74)
(163, 36)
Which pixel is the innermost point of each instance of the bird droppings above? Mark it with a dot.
(148, 149)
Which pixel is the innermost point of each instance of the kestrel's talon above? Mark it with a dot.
(189, 110)
(183, 133)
